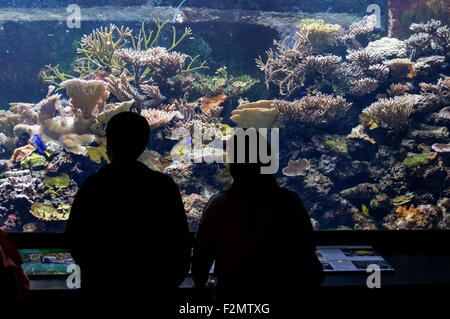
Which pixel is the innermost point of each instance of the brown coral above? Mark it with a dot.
(297, 167)
(209, 102)
(364, 58)
(364, 86)
(259, 114)
(27, 115)
(392, 113)
(283, 65)
(158, 118)
(402, 68)
(21, 153)
(320, 109)
(76, 144)
(397, 90)
(85, 96)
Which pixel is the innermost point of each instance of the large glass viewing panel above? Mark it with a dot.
(359, 91)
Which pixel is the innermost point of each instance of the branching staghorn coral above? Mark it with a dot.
(390, 113)
(379, 71)
(53, 75)
(155, 64)
(123, 90)
(428, 63)
(99, 49)
(283, 65)
(358, 34)
(429, 36)
(105, 50)
(320, 109)
(397, 90)
(363, 86)
(364, 58)
(325, 66)
(436, 94)
(159, 118)
(363, 27)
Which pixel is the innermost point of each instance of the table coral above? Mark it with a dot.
(85, 96)
(297, 167)
(259, 114)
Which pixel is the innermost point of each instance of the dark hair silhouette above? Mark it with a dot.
(127, 135)
(254, 230)
(127, 228)
(249, 172)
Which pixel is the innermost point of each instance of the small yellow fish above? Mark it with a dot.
(372, 125)
(309, 94)
(365, 210)
(363, 252)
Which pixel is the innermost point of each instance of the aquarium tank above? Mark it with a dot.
(359, 91)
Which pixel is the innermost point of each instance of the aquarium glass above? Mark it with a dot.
(359, 91)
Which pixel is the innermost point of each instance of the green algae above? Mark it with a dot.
(336, 144)
(57, 182)
(34, 160)
(97, 154)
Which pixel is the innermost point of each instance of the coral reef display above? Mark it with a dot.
(363, 120)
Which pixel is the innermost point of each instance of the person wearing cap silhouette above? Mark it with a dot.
(127, 228)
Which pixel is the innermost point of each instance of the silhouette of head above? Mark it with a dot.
(246, 166)
(127, 135)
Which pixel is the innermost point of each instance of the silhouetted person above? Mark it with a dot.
(260, 237)
(127, 228)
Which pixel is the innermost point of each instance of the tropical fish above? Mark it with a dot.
(373, 125)
(2, 150)
(306, 93)
(365, 210)
(363, 252)
(40, 145)
(403, 199)
(176, 12)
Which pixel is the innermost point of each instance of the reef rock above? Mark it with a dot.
(364, 190)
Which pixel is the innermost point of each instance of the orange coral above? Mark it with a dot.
(209, 102)
(409, 214)
(21, 152)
